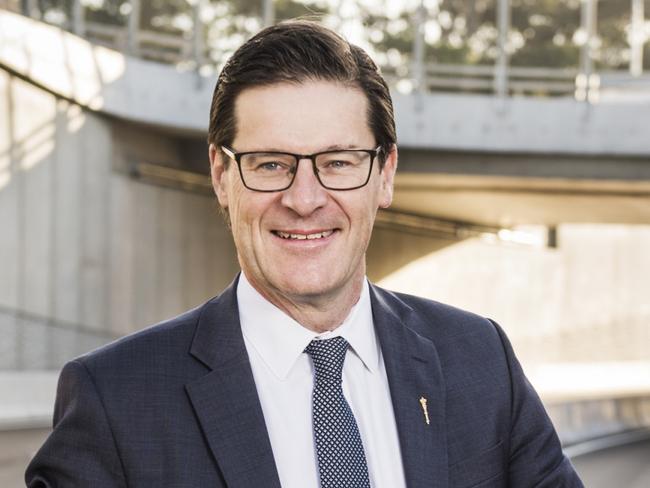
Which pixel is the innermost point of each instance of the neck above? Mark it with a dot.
(318, 313)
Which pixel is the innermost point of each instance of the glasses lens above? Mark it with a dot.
(267, 171)
(343, 170)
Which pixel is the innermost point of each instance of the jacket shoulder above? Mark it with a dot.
(151, 345)
(437, 321)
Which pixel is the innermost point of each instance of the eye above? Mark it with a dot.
(339, 163)
(271, 166)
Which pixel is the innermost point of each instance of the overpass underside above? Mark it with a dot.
(444, 197)
(522, 160)
(492, 190)
(139, 128)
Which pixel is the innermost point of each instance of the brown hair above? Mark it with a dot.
(296, 51)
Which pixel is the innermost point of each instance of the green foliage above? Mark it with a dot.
(549, 56)
(446, 54)
(543, 32)
(290, 9)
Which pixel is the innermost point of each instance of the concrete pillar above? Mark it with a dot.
(501, 66)
(637, 38)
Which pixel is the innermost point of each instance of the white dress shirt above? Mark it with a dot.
(284, 375)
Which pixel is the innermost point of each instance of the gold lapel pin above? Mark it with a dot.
(423, 402)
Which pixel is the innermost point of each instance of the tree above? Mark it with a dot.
(543, 32)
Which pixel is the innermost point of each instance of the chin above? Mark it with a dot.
(307, 286)
(305, 282)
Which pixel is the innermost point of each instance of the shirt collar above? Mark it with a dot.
(280, 340)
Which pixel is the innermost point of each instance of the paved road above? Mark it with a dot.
(16, 449)
(619, 467)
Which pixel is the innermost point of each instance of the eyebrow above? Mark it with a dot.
(339, 146)
(333, 147)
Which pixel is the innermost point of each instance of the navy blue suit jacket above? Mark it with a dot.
(175, 405)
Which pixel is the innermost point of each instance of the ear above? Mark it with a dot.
(388, 178)
(218, 173)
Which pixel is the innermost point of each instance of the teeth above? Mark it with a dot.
(302, 237)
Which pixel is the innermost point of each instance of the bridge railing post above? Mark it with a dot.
(197, 34)
(637, 38)
(268, 13)
(587, 81)
(133, 28)
(418, 54)
(501, 65)
(78, 18)
(30, 9)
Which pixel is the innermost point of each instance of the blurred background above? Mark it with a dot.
(523, 192)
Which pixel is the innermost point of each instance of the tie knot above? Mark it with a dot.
(328, 356)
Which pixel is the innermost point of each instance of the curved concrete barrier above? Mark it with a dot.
(27, 399)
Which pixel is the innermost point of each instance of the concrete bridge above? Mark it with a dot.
(107, 208)
(464, 159)
(108, 222)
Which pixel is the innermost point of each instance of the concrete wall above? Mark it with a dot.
(86, 252)
(391, 249)
(586, 300)
(120, 85)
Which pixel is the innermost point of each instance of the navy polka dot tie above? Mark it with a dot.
(341, 460)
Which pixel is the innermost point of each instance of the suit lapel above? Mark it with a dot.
(225, 400)
(413, 372)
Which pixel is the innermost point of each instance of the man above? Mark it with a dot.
(302, 374)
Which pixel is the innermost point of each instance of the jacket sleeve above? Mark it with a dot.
(535, 458)
(81, 450)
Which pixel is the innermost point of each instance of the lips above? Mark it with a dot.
(303, 236)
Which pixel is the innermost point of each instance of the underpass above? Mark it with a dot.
(471, 166)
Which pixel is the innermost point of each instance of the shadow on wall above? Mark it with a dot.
(87, 253)
(31, 192)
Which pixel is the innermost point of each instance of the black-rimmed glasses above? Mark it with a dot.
(268, 171)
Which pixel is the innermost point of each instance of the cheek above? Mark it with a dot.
(363, 217)
(247, 213)
(238, 214)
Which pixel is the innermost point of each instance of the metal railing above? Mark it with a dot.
(130, 38)
(156, 46)
(484, 79)
(522, 80)
(501, 79)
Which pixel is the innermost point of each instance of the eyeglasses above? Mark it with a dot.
(270, 171)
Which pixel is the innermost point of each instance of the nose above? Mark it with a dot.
(306, 194)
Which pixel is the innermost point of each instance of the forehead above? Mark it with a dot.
(302, 117)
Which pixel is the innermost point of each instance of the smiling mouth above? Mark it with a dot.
(303, 237)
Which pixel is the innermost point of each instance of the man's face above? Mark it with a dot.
(304, 119)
